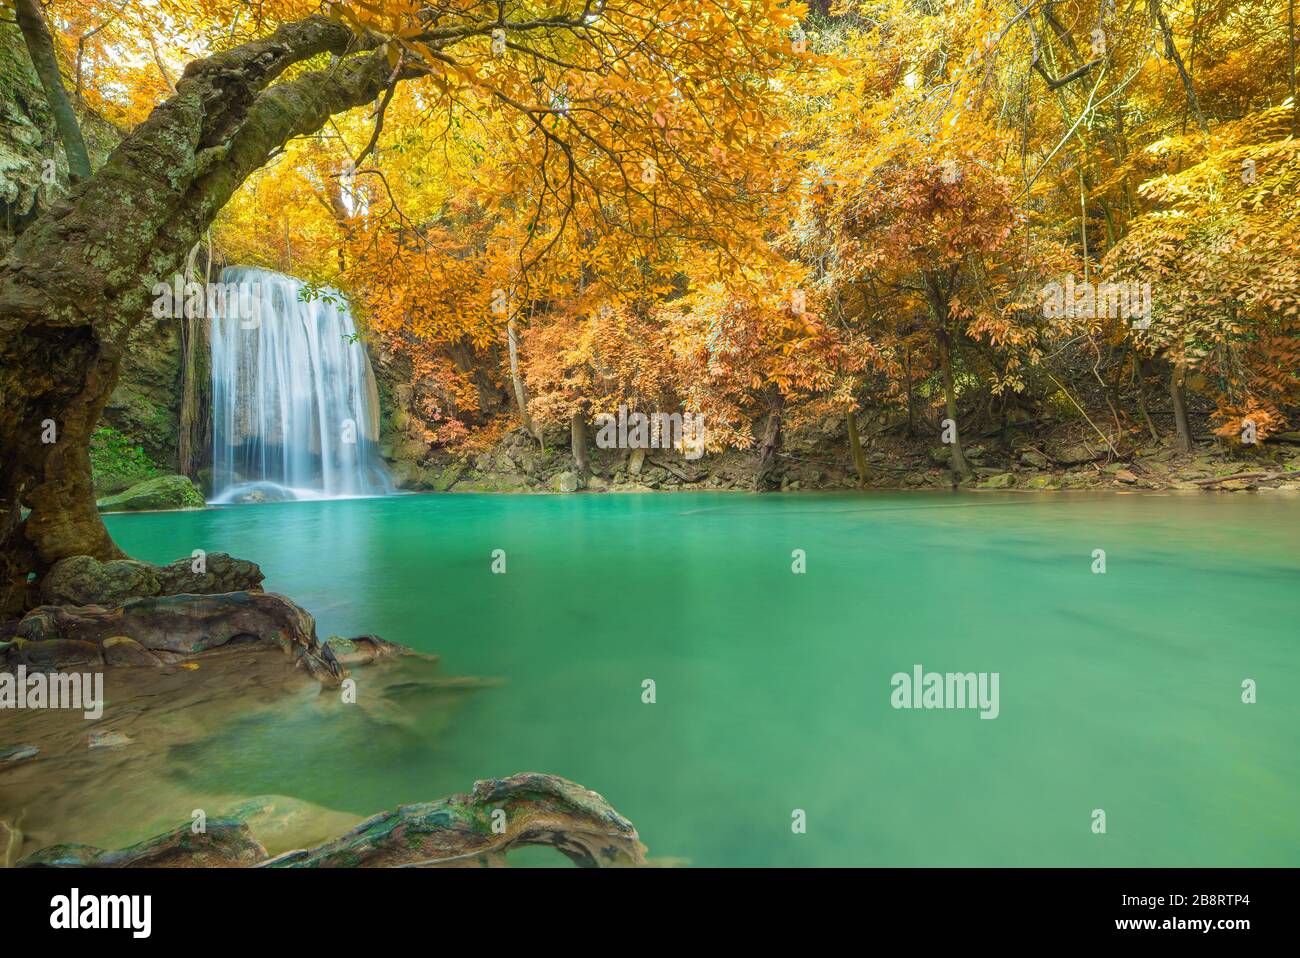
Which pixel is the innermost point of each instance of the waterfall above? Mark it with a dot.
(295, 413)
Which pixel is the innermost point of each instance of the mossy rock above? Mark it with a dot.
(162, 492)
(1002, 481)
(1043, 482)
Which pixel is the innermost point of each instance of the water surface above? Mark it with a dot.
(1118, 691)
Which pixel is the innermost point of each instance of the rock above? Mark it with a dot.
(1042, 482)
(122, 650)
(1236, 485)
(163, 492)
(221, 573)
(1073, 455)
(56, 654)
(940, 455)
(84, 580)
(457, 831)
(17, 754)
(1002, 481)
(411, 450)
(179, 624)
(223, 844)
(1126, 477)
(364, 649)
(973, 453)
(565, 482)
(538, 808)
(635, 461)
(1034, 459)
(107, 740)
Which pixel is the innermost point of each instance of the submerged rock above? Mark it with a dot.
(363, 649)
(528, 809)
(222, 844)
(458, 831)
(16, 755)
(161, 492)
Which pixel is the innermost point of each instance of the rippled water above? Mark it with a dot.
(1119, 692)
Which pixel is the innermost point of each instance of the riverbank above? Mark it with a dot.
(816, 458)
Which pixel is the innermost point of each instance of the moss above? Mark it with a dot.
(117, 462)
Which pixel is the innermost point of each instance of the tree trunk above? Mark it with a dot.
(1172, 50)
(1139, 375)
(520, 387)
(578, 441)
(855, 446)
(960, 469)
(40, 47)
(80, 278)
(770, 443)
(1176, 378)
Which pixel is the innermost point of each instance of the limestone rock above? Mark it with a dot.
(17, 754)
(162, 492)
(84, 580)
(221, 573)
(223, 844)
(178, 625)
(363, 649)
(122, 650)
(565, 482)
(107, 740)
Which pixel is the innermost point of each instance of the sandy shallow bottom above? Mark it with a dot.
(171, 725)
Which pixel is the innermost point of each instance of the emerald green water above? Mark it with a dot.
(1119, 691)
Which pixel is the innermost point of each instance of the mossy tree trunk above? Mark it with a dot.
(79, 279)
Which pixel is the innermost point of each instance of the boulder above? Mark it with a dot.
(1042, 482)
(635, 461)
(84, 580)
(178, 625)
(161, 492)
(565, 482)
(1034, 459)
(363, 649)
(1003, 480)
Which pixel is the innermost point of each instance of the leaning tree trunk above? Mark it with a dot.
(40, 47)
(517, 381)
(79, 279)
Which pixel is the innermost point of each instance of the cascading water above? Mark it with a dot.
(294, 406)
